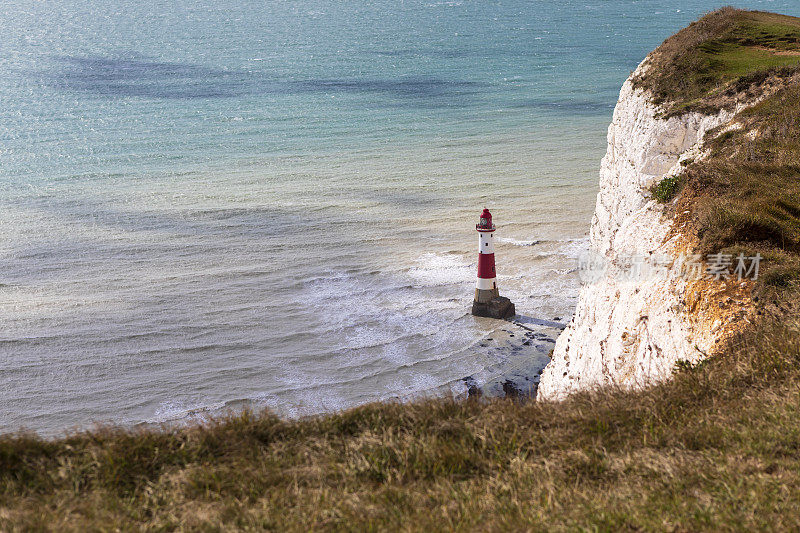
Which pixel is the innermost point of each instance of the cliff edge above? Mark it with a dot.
(684, 215)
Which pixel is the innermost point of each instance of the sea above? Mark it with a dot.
(214, 205)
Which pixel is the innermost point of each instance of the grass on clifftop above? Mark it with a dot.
(730, 51)
(745, 196)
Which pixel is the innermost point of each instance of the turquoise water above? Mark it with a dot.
(216, 204)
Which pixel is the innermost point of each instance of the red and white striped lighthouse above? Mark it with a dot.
(487, 277)
(488, 301)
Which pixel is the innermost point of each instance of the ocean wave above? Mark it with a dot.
(175, 411)
(573, 247)
(440, 269)
(517, 242)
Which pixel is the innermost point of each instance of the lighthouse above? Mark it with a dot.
(488, 302)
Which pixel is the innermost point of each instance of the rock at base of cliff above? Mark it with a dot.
(499, 307)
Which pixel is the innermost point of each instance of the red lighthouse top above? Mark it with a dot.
(485, 222)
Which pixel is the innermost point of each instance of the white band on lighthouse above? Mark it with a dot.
(487, 284)
(485, 243)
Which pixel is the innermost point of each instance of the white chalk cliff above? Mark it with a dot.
(631, 332)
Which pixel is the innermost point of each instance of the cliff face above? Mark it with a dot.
(640, 317)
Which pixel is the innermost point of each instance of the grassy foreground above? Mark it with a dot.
(716, 448)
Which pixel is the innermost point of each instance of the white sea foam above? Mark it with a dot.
(182, 411)
(572, 248)
(440, 269)
(517, 242)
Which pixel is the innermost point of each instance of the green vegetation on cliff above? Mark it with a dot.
(744, 196)
(716, 448)
(720, 58)
(746, 193)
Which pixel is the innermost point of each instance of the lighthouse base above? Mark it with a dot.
(497, 307)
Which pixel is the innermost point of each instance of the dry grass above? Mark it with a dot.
(725, 56)
(745, 196)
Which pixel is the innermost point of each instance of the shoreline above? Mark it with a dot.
(521, 349)
(518, 349)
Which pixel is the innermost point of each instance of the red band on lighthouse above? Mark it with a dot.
(486, 266)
